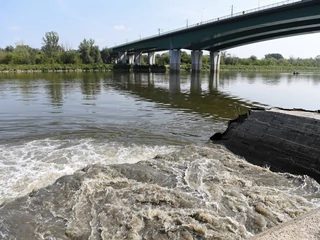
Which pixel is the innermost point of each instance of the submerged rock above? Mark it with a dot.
(195, 193)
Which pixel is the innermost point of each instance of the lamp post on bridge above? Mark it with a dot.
(201, 13)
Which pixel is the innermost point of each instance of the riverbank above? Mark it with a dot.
(144, 68)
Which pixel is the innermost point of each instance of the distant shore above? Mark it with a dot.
(143, 68)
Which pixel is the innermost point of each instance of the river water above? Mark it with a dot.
(135, 158)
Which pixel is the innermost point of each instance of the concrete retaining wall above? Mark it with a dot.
(285, 140)
(305, 227)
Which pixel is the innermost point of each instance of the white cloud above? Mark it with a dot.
(13, 28)
(121, 28)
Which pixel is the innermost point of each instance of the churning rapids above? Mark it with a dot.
(192, 192)
(85, 183)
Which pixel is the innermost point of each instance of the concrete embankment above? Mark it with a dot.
(305, 227)
(284, 140)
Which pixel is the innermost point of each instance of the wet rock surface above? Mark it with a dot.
(284, 140)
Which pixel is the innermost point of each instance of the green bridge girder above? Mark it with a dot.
(302, 17)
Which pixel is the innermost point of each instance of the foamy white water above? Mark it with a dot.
(29, 166)
(192, 192)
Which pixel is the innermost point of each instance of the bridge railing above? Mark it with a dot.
(287, 2)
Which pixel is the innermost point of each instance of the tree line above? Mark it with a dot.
(89, 53)
(54, 53)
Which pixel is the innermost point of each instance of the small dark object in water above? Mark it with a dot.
(295, 73)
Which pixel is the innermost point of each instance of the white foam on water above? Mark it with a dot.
(32, 165)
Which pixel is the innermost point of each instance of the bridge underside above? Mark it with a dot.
(287, 20)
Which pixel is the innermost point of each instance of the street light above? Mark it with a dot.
(201, 13)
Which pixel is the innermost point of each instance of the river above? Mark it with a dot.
(148, 169)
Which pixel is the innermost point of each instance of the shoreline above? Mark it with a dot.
(142, 68)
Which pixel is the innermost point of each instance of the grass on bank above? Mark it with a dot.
(125, 67)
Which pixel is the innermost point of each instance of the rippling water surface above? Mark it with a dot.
(178, 184)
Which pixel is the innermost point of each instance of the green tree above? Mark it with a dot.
(84, 51)
(51, 44)
(144, 59)
(106, 55)
(70, 57)
(273, 55)
(95, 54)
(163, 59)
(185, 58)
(89, 53)
(22, 54)
(9, 48)
(253, 58)
(6, 58)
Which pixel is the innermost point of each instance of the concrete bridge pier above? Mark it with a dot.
(137, 58)
(151, 58)
(213, 81)
(195, 86)
(215, 61)
(196, 60)
(175, 59)
(122, 57)
(174, 82)
(131, 59)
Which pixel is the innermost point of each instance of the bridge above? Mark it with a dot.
(279, 20)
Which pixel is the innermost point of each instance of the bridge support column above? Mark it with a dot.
(137, 58)
(196, 60)
(122, 57)
(151, 58)
(174, 82)
(175, 59)
(131, 59)
(215, 61)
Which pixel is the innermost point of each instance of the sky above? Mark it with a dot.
(111, 23)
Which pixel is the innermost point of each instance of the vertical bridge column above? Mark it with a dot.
(215, 61)
(151, 58)
(131, 59)
(137, 58)
(175, 59)
(196, 60)
(122, 57)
